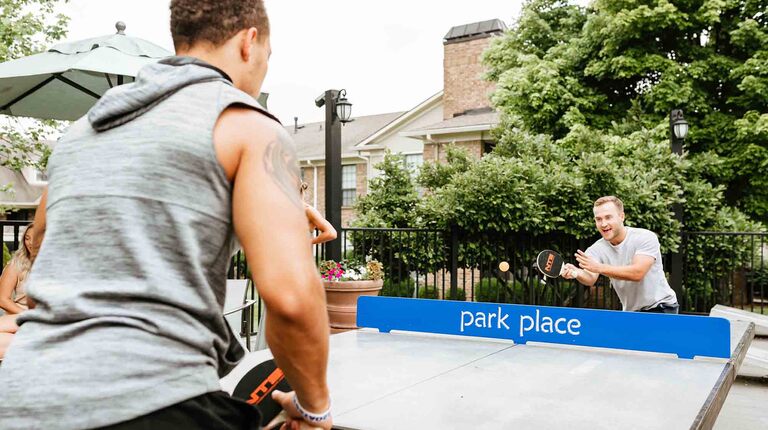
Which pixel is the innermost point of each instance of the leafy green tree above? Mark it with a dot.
(623, 60)
(437, 175)
(534, 183)
(392, 197)
(27, 27)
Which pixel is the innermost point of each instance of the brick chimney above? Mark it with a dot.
(463, 85)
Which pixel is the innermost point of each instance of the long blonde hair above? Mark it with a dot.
(23, 257)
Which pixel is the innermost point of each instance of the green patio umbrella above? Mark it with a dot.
(64, 82)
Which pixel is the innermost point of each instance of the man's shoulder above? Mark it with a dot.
(599, 245)
(232, 96)
(245, 124)
(638, 233)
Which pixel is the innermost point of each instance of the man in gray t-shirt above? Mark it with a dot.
(630, 257)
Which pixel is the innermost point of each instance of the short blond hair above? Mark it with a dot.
(610, 199)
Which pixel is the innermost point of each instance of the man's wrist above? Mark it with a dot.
(317, 404)
(312, 416)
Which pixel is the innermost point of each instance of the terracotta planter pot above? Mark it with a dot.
(342, 301)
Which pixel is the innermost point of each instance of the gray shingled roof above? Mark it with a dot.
(486, 118)
(310, 138)
(476, 28)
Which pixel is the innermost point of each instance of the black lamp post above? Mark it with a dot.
(338, 110)
(678, 130)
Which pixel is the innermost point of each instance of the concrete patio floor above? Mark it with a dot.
(746, 406)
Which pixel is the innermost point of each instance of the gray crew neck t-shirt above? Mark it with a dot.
(653, 289)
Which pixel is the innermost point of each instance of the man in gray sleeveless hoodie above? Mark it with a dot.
(146, 195)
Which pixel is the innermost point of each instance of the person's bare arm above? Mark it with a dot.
(7, 285)
(635, 271)
(316, 221)
(271, 225)
(39, 230)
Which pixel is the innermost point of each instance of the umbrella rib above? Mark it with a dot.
(109, 81)
(26, 93)
(76, 85)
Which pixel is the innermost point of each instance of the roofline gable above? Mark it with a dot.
(402, 119)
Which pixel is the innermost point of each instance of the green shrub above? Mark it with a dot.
(405, 287)
(427, 292)
(393, 288)
(461, 295)
(497, 291)
(6, 255)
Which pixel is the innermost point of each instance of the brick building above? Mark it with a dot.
(460, 114)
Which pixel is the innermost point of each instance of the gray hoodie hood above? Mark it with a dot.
(154, 83)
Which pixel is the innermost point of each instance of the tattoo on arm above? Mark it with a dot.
(281, 163)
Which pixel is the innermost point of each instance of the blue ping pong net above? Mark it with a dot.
(685, 335)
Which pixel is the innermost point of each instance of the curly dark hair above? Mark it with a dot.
(215, 21)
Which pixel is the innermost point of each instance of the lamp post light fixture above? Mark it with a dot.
(338, 110)
(678, 131)
(343, 107)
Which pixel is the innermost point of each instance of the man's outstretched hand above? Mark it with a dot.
(587, 262)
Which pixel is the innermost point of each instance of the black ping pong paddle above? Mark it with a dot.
(256, 388)
(550, 264)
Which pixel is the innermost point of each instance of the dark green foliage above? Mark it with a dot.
(497, 291)
(406, 287)
(391, 199)
(393, 288)
(6, 255)
(620, 61)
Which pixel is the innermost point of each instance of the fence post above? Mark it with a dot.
(579, 286)
(676, 272)
(454, 262)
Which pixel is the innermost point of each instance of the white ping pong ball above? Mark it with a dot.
(503, 266)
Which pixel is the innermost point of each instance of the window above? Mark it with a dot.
(348, 184)
(413, 163)
(488, 146)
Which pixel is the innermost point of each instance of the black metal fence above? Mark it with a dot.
(725, 268)
(718, 267)
(437, 264)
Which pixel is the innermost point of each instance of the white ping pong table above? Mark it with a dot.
(406, 380)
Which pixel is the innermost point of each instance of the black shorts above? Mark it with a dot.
(664, 308)
(209, 411)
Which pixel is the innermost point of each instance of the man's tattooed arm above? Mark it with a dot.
(281, 163)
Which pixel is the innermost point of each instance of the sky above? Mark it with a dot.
(388, 55)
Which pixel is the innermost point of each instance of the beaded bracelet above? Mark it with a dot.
(309, 416)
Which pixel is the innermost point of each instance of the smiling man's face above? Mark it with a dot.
(609, 221)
